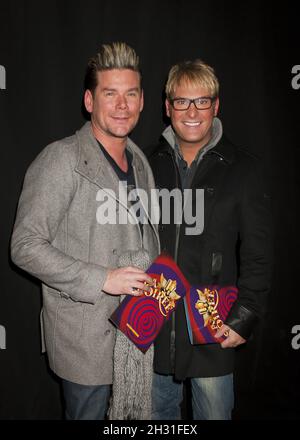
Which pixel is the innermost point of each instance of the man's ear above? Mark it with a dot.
(88, 101)
(216, 106)
(167, 104)
(142, 100)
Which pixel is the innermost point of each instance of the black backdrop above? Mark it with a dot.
(253, 46)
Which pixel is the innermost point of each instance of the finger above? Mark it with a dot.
(219, 334)
(137, 289)
(147, 287)
(221, 331)
(231, 342)
(228, 344)
(223, 344)
(142, 278)
(134, 292)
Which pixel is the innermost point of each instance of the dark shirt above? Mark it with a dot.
(125, 177)
(186, 172)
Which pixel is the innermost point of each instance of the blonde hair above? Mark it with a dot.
(192, 72)
(117, 55)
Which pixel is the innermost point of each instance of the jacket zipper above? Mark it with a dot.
(173, 332)
(178, 226)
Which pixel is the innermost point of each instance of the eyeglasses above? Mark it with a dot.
(201, 103)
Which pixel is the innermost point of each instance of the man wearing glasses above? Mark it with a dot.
(233, 249)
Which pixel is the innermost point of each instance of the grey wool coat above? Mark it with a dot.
(58, 238)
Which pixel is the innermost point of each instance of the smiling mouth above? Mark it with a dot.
(120, 121)
(192, 124)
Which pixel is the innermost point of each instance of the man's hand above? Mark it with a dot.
(233, 339)
(127, 280)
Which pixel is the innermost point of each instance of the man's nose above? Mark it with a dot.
(192, 110)
(122, 101)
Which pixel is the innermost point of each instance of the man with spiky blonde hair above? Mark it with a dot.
(233, 248)
(61, 238)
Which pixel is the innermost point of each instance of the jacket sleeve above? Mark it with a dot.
(255, 253)
(46, 195)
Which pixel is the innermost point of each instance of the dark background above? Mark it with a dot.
(253, 46)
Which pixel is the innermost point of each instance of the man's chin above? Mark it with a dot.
(120, 134)
(195, 139)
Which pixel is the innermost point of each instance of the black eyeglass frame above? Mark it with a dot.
(192, 101)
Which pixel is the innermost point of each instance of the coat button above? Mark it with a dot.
(107, 332)
(114, 251)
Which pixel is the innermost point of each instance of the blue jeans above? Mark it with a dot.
(85, 402)
(212, 397)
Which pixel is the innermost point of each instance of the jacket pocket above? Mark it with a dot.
(70, 321)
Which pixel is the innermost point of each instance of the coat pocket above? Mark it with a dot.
(70, 320)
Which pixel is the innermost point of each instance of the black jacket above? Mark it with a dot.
(233, 249)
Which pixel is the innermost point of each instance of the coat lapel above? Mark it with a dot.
(92, 165)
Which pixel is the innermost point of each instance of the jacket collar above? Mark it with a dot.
(92, 163)
(224, 149)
